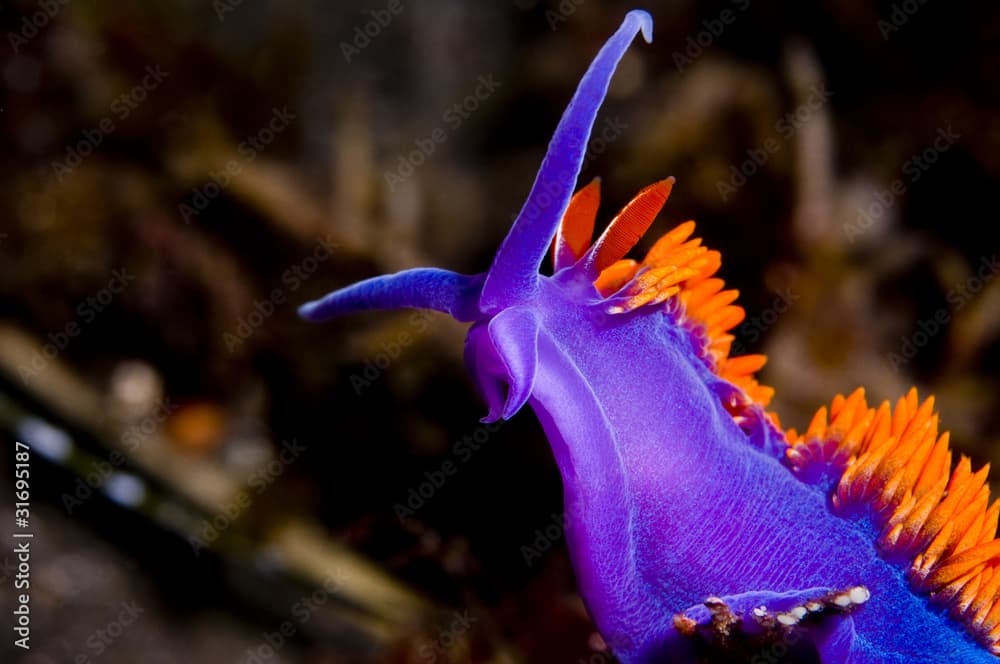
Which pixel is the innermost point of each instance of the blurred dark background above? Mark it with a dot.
(213, 480)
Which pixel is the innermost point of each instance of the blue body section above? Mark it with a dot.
(668, 502)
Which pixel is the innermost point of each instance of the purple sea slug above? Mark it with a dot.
(699, 529)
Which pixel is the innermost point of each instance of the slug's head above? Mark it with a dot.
(504, 302)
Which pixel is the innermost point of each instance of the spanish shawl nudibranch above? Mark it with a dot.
(696, 525)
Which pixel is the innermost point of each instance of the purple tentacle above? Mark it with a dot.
(513, 277)
(421, 288)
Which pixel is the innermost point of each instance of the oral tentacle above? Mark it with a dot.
(420, 288)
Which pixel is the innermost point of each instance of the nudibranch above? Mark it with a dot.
(699, 528)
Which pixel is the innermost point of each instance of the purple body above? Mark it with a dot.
(669, 501)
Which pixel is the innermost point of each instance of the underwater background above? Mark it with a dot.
(214, 480)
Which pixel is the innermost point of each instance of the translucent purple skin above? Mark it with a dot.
(668, 501)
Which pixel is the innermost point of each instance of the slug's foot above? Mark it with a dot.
(798, 626)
